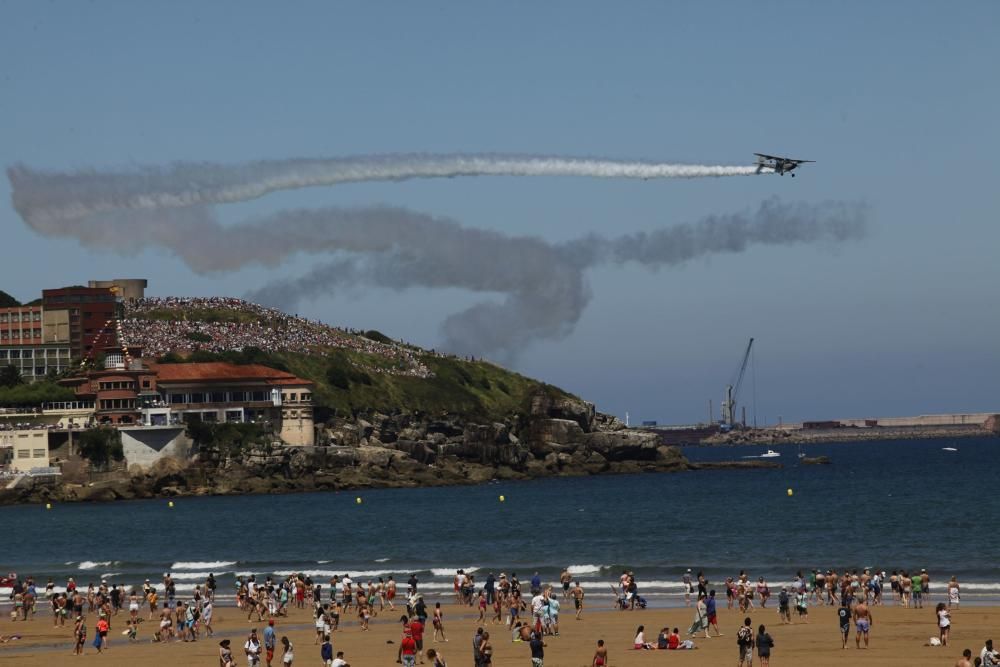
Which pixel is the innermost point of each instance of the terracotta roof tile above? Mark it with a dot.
(215, 371)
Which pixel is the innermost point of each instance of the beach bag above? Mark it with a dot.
(97, 640)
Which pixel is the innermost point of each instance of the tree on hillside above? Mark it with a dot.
(7, 301)
(101, 445)
(10, 376)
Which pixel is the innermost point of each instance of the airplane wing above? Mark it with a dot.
(781, 159)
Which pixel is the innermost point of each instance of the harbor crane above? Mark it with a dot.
(733, 392)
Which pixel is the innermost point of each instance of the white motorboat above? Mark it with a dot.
(769, 454)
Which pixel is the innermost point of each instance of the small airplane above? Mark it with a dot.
(779, 165)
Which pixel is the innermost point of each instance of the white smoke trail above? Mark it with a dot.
(40, 195)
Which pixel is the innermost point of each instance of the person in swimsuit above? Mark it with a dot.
(862, 623)
(577, 594)
(954, 595)
(600, 655)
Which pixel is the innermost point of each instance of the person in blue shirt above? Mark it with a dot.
(711, 612)
(326, 651)
(536, 584)
(270, 641)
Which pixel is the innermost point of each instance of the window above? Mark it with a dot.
(16, 334)
(218, 397)
(307, 397)
(4, 317)
(3, 354)
(198, 398)
(145, 384)
(24, 453)
(177, 398)
(36, 317)
(39, 453)
(238, 396)
(14, 317)
(209, 417)
(4, 335)
(15, 354)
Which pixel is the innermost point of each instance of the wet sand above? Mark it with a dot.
(898, 638)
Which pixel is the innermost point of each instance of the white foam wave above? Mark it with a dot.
(356, 574)
(584, 569)
(93, 565)
(450, 571)
(194, 576)
(202, 565)
(381, 560)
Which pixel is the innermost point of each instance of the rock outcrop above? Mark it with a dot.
(559, 435)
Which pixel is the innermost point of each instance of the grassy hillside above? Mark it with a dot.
(353, 370)
(477, 389)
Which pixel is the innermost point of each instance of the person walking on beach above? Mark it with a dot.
(844, 617)
(944, 622)
(688, 588)
(537, 650)
(438, 622)
(744, 640)
(862, 623)
(565, 579)
(80, 633)
(700, 619)
(287, 653)
(252, 649)
(477, 639)
(326, 652)
(712, 612)
(270, 642)
(764, 645)
(577, 594)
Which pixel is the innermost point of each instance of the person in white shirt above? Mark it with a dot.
(339, 660)
(252, 649)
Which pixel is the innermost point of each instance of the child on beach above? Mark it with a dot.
(954, 595)
(944, 622)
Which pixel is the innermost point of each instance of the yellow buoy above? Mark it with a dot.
(170, 503)
(502, 499)
(789, 492)
(48, 506)
(358, 500)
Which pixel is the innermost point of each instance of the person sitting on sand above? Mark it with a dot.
(640, 642)
(675, 643)
(4, 638)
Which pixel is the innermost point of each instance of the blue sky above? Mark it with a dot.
(896, 100)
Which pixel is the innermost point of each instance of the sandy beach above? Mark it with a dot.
(898, 638)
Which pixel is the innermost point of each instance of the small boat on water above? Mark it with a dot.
(949, 449)
(769, 454)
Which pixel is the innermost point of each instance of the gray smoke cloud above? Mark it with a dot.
(536, 290)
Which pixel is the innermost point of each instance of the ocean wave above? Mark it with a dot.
(354, 574)
(93, 565)
(585, 569)
(199, 565)
(450, 571)
(381, 560)
(194, 576)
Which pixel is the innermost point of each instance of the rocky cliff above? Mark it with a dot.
(559, 435)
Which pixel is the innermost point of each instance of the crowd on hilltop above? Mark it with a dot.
(269, 330)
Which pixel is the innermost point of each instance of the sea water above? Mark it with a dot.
(905, 504)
